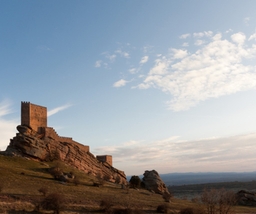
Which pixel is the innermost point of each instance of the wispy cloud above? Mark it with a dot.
(44, 48)
(144, 59)
(246, 20)
(98, 64)
(123, 53)
(58, 109)
(120, 83)
(217, 154)
(7, 127)
(184, 36)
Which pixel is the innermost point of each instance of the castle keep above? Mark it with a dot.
(35, 117)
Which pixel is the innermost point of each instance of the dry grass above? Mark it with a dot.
(22, 178)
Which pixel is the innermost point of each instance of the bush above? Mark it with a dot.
(127, 211)
(43, 190)
(53, 202)
(135, 181)
(163, 208)
(1, 187)
(56, 172)
(189, 210)
(106, 205)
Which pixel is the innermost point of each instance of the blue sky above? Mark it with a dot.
(164, 85)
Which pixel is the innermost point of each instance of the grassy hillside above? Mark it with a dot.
(20, 180)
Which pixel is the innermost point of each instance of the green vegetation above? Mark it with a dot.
(28, 185)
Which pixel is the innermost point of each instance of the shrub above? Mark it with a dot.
(43, 190)
(56, 172)
(100, 179)
(135, 181)
(163, 208)
(127, 211)
(53, 202)
(189, 210)
(1, 187)
(106, 205)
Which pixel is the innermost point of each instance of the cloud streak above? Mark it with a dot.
(7, 127)
(120, 83)
(58, 109)
(234, 153)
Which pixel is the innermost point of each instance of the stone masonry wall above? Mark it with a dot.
(34, 116)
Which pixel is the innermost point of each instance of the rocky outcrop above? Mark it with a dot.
(153, 182)
(29, 143)
(246, 198)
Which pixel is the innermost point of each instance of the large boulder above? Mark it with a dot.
(28, 143)
(153, 182)
(246, 198)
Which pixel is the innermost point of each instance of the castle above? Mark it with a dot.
(35, 117)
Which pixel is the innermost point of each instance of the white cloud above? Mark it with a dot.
(144, 59)
(184, 36)
(185, 44)
(98, 63)
(7, 127)
(252, 37)
(214, 70)
(179, 53)
(133, 70)
(199, 42)
(239, 38)
(228, 31)
(120, 83)
(58, 109)
(202, 34)
(234, 153)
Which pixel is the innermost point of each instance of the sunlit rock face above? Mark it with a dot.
(48, 146)
(153, 182)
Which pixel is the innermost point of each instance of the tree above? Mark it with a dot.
(135, 181)
(218, 201)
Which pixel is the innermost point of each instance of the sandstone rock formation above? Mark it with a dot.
(30, 143)
(153, 182)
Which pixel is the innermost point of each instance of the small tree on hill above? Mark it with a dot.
(135, 181)
(218, 201)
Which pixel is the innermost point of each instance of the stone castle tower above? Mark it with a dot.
(33, 116)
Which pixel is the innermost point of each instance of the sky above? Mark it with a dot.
(164, 85)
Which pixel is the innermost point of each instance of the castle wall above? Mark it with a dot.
(51, 133)
(105, 158)
(34, 116)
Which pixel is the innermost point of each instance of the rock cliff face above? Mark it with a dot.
(29, 143)
(153, 182)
